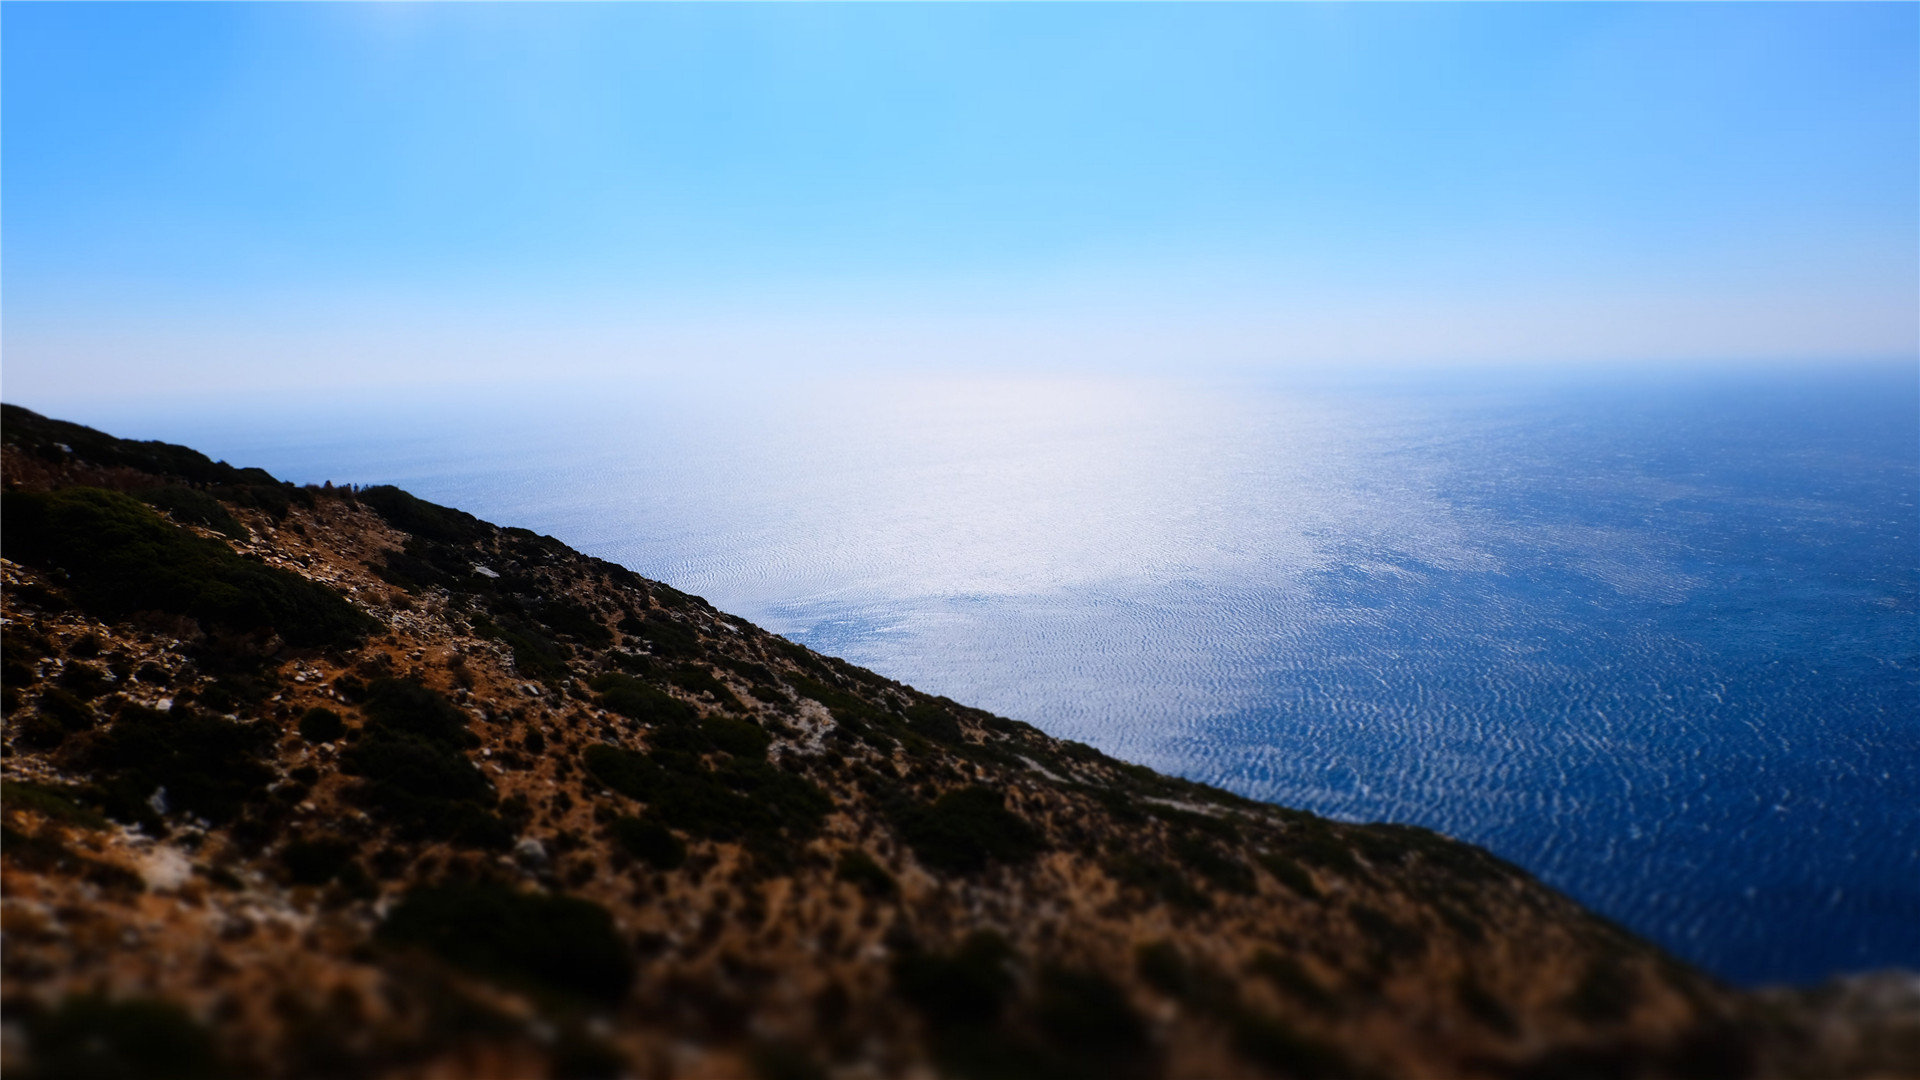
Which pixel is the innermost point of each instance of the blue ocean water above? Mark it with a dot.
(1654, 637)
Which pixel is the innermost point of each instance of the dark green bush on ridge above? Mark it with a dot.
(208, 766)
(630, 697)
(324, 860)
(422, 518)
(25, 427)
(668, 637)
(741, 799)
(966, 988)
(120, 557)
(741, 738)
(1158, 880)
(402, 706)
(61, 804)
(964, 830)
(1221, 869)
(321, 725)
(534, 654)
(649, 841)
(559, 944)
(192, 507)
(414, 770)
(859, 868)
(1087, 1017)
(93, 1038)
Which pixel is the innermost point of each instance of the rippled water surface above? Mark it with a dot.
(1656, 639)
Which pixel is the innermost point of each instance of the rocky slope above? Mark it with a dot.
(334, 782)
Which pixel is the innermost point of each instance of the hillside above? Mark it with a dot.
(315, 781)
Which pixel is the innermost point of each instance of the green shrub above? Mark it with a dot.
(1484, 1007)
(742, 738)
(1289, 978)
(558, 944)
(193, 507)
(700, 679)
(1087, 1017)
(67, 709)
(120, 557)
(422, 518)
(1223, 870)
(579, 1055)
(405, 707)
(414, 770)
(318, 862)
(1392, 940)
(872, 879)
(1273, 1044)
(1605, 993)
(209, 767)
(84, 681)
(569, 619)
(851, 711)
(535, 655)
(1197, 985)
(669, 637)
(964, 830)
(1394, 844)
(321, 725)
(60, 804)
(1289, 873)
(1156, 879)
(934, 722)
(426, 791)
(28, 428)
(628, 772)
(37, 731)
(650, 842)
(1316, 844)
(742, 799)
(967, 988)
(93, 1038)
(632, 698)
(780, 1061)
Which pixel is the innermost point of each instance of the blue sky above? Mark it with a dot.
(250, 195)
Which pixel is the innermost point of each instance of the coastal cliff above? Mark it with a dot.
(324, 781)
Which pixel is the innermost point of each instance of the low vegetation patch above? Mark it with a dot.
(966, 988)
(668, 637)
(742, 799)
(649, 841)
(323, 861)
(120, 557)
(422, 518)
(93, 1036)
(64, 805)
(321, 725)
(182, 760)
(859, 868)
(1289, 873)
(1157, 879)
(557, 944)
(630, 697)
(190, 506)
(414, 770)
(1286, 975)
(1223, 870)
(964, 830)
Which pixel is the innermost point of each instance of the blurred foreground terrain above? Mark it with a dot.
(322, 782)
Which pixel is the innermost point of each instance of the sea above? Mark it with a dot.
(1653, 635)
